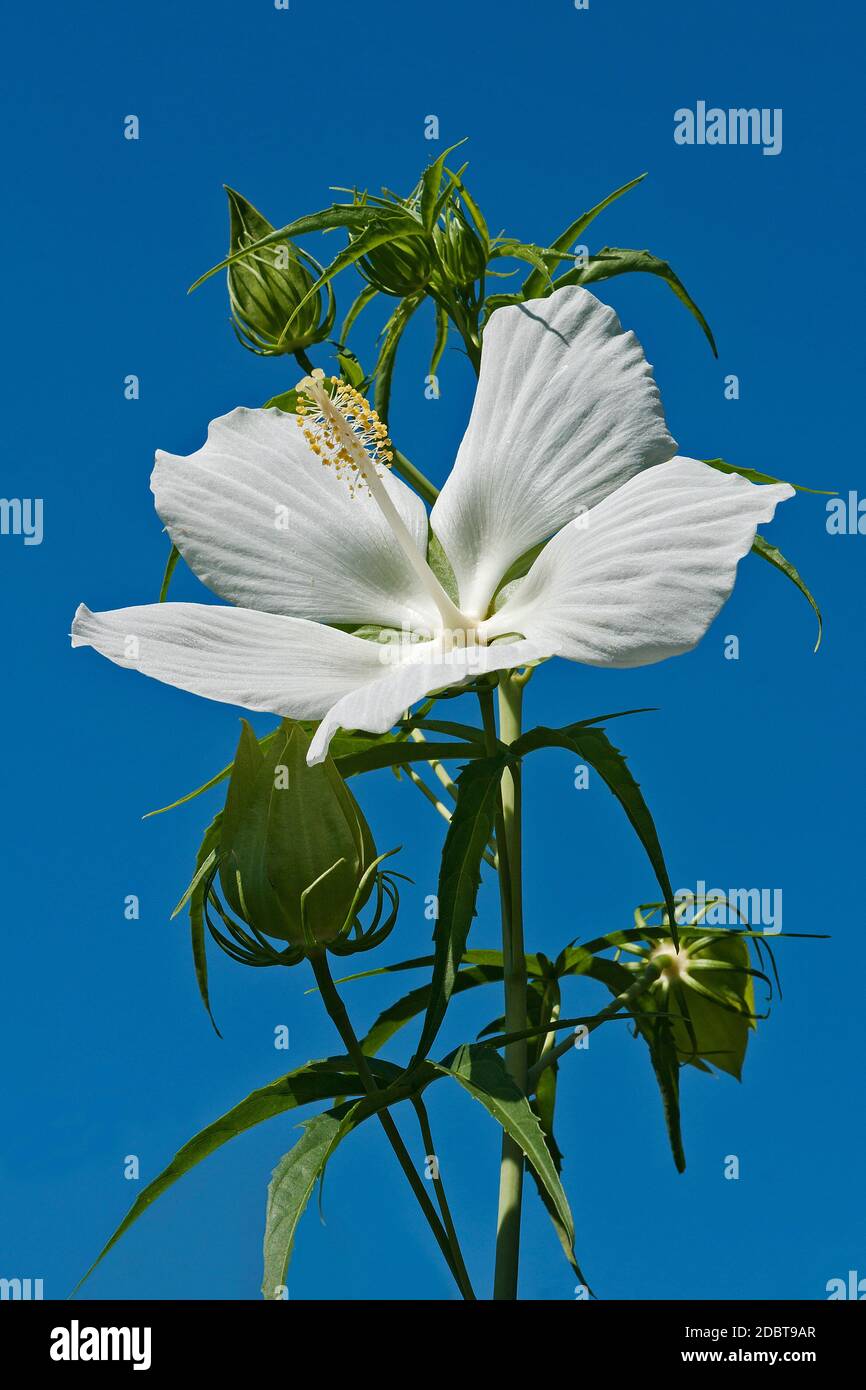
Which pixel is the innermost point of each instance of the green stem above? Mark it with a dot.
(342, 1023)
(467, 327)
(439, 1187)
(514, 961)
(444, 811)
(645, 981)
(304, 362)
(416, 479)
(508, 843)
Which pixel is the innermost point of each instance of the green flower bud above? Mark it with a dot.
(706, 990)
(266, 288)
(297, 861)
(460, 250)
(400, 267)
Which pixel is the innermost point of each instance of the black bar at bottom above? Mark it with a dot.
(82, 1338)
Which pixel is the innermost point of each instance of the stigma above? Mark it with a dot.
(672, 964)
(345, 433)
(342, 429)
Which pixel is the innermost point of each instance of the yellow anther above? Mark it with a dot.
(342, 428)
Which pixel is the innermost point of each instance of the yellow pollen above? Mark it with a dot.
(342, 429)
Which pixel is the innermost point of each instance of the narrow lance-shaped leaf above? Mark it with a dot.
(403, 1010)
(197, 892)
(441, 339)
(619, 260)
(387, 355)
(367, 294)
(376, 234)
(663, 1053)
(431, 180)
(474, 212)
(353, 753)
(535, 283)
(548, 1080)
(665, 1063)
(595, 748)
(753, 476)
(459, 879)
(396, 754)
(214, 781)
(347, 215)
(313, 1082)
(774, 556)
(170, 567)
(482, 1072)
(509, 249)
(290, 1189)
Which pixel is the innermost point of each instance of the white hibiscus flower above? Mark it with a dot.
(566, 449)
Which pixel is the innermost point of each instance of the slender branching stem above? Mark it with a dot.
(418, 736)
(416, 479)
(342, 1023)
(439, 1188)
(444, 811)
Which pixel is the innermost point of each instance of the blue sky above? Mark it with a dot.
(753, 768)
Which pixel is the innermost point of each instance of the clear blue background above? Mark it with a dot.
(754, 768)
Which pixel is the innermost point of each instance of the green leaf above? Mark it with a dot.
(753, 476)
(393, 332)
(290, 1189)
(414, 477)
(170, 566)
(441, 566)
(595, 748)
(619, 260)
(523, 251)
(774, 556)
(469, 830)
(377, 233)
(439, 344)
(352, 752)
(314, 1081)
(367, 294)
(667, 1073)
(482, 1072)
(474, 211)
(656, 1032)
(483, 957)
(346, 215)
(286, 401)
(499, 301)
(705, 1019)
(197, 891)
(468, 732)
(214, 781)
(431, 180)
(397, 754)
(351, 370)
(403, 1010)
(535, 283)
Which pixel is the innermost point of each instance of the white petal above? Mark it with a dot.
(266, 525)
(566, 411)
(286, 666)
(642, 576)
(417, 671)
